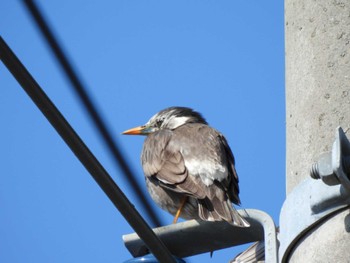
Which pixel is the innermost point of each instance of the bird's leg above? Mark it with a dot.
(183, 201)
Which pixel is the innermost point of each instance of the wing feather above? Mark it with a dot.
(158, 161)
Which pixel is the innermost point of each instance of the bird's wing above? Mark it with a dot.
(208, 159)
(164, 162)
(167, 166)
(206, 153)
(231, 183)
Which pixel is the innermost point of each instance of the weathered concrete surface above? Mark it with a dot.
(317, 80)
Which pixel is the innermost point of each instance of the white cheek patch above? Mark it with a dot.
(176, 122)
(208, 171)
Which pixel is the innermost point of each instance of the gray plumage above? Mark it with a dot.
(253, 254)
(181, 156)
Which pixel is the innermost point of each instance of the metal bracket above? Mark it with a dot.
(311, 201)
(195, 237)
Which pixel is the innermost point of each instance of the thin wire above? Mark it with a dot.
(82, 152)
(101, 125)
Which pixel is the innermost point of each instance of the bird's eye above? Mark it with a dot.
(159, 123)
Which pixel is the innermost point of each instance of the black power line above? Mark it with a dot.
(91, 109)
(82, 152)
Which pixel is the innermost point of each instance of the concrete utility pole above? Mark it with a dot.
(318, 100)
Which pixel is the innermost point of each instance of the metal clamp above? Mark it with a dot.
(194, 237)
(312, 200)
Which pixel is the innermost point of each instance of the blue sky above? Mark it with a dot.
(222, 58)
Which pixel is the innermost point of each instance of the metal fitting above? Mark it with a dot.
(323, 169)
(334, 167)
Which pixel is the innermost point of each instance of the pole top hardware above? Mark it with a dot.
(313, 200)
(195, 237)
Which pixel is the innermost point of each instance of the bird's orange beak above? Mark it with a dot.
(135, 131)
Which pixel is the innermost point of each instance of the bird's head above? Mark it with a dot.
(169, 118)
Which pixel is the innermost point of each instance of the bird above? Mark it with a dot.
(189, 167)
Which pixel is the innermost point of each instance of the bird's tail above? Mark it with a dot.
(238, 220)
(217, 210)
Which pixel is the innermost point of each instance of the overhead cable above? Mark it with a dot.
(86, 100)
(83, 153)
